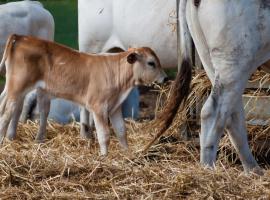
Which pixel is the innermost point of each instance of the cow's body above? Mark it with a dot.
(98, 82)
(108, 26)
(114, 26)
(61, 110)
(26, 18)
(232, 39)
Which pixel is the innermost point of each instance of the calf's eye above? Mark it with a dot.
(152, 64)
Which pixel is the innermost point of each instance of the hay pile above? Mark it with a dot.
(68, 167)
(187, 121)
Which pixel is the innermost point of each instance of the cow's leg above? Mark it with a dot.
(5, 118)
(220, 110)
(209, 121)
(119, 126)
(12, 128)
(103, 131)
(85, 128)
(29, 103)
(214, 115)
(44, 108)
(237, 130)
(130, 106)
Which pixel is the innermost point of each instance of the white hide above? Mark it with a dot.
(106, 24)
(25, 18)
(232, 39)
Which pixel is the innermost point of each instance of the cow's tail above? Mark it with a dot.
(181, 86)
(8, 48)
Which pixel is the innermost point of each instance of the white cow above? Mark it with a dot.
(112, 26)
(27, 18)
(61, 111)
(232, 39)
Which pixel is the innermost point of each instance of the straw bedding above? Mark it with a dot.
(67, 167)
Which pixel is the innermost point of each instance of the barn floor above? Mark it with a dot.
(68, 167)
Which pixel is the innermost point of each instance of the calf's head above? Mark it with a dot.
(146, 66)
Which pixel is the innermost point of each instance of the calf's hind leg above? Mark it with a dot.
(5, 118)
(44, 109)
(12, 128)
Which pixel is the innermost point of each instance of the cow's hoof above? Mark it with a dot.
(256, 170)
(40, 140)
(11, 137)
(87, 136)
(86, 132)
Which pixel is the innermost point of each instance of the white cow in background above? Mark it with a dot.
(109, 26)
(116, 25)
(26, 18)
(30, 18)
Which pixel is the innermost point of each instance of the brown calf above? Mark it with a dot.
(99, 82)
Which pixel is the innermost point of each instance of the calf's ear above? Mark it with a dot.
(132, 58)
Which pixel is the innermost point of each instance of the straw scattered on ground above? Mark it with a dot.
(68, 167)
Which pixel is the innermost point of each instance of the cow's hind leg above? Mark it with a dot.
(86, 123)
(237, 130)
(44, 109)
(224, 108)
(30, 101)
(119, 126)
(214, 115)
(211, 131)
(103, 131)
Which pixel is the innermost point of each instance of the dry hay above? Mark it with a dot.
(186, 123)
(68, 167)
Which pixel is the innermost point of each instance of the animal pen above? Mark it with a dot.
(69, 167)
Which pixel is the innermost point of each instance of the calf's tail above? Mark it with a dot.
(8, 48)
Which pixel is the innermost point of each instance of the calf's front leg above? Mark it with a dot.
(103, 131)
(118, 125)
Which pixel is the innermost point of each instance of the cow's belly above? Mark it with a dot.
(266, 66)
